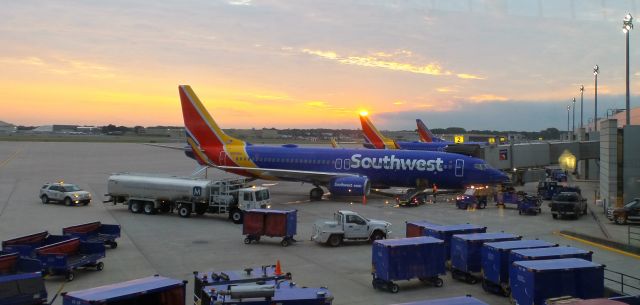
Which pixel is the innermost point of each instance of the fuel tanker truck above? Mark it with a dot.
(151, 194)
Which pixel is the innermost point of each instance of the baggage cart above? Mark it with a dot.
(271, 223)
(281, 292)
(533, 282)
(95, 232)
(466, 257)
(446, 233)
(26, 245)
(548, 253)
(466, 300)
(251, 274)
(418, 228)
(495, 262)
(529, 205)
(21, 282)
(156, 290)
(577, 301)
(405, 259)
(66, 256)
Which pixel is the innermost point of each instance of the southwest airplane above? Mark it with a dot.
(344, 172)
(427, 137)
(375, 139)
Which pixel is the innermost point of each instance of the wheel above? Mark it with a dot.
(374, 283)
(149, 209)
(555, 216)
(247, 240)
(70, 276)
(135, 207)
(184, 211)
(100, 266)
(519, 212)
(113, 244)
(236, 216)
(67, 201)
(45, 199)
(620, 219)
(438, 282)
(334, 240)
(377, 235)
(394, 288)
(316, 194)
(85, 203)
(485, 286)
(284, 242)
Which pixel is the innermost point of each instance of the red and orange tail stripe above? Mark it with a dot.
(423, 132)
(374, 136)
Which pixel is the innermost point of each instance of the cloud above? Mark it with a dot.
(317, 104)
(446, 89)
(62, 66)
(487, 98)
(240, 2)
(399, 103)
(388, 63)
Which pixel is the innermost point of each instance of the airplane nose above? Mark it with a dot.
(500, 176)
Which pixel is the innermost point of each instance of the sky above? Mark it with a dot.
(499, 65)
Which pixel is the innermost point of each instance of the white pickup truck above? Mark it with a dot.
(348, 225)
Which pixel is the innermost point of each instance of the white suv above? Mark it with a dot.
(64, 192)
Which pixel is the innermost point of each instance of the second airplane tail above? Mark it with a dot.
(425, 134)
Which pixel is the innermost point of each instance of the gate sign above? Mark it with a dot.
(197, 191)
(504, 154)
(458, 139)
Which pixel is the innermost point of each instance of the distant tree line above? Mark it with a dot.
(549, 133)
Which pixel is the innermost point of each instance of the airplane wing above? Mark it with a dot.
(181, 148)
(293, 175)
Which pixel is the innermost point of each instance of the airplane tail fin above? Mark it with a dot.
(334, 143)
(374, 137)
(425, 134)
(202, 131)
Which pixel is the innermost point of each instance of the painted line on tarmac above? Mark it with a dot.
(597, 245)
(11, 157)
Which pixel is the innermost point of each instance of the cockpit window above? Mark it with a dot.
(480, 166)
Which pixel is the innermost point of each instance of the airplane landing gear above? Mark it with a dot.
(316, 194)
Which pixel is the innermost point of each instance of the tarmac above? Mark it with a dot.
(175, 247)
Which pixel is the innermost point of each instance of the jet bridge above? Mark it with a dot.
(537, 154)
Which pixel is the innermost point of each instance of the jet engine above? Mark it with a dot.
(350, 186)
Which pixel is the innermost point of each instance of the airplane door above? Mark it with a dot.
(459, 167)
(221, 159)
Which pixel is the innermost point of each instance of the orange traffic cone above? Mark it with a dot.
(278, 268)
(364, 199)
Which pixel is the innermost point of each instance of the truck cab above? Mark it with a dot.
(629, 212)
(348, 225)
(255, 197)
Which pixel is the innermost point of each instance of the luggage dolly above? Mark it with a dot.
(394, 288)
(286, 241)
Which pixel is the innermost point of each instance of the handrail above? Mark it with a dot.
(631, 283)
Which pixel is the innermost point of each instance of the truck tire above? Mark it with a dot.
(620, 219)
(149, 209)
(377, 235)
(236, 216)
(184, 211)
(135, 207)
(45, 199)
(334, 240)
(67, 201)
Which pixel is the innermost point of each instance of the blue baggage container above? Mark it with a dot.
(407, 258)
(465, 253)
(95, 232)
(156, 290)
(548, 253)
(446, 233)
(532, 282)
(21, 282)
(495, 262)
(251, 274)
(66, 256)
(467, 300)
(418, 228)
(26, 245)
(283, 292)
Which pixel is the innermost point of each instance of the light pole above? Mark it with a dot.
(581, 104)
(568, 130)
(627, 25)
(596, 70)
(573, 119)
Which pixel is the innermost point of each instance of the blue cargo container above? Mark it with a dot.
(532, 282)
(418, 228)
(548, 253)
(468, 300)
(156, 290)
(465, 253)
(95, 232)
(282, 292)
(66, 256)
(495, 262)
(252, 274)
(21, 282)
(26, 245)
(407, 258)
(446, 233)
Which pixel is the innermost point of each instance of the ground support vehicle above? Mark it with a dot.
(151, 194)
(21, 282)
(418, 228)
(271, 223)
(533, 282)
(66, 256)
(474, 197)
(95, 232)
(64, 192)
(26, 245)
(547, 189)
(156, 290)
(629, 212)
(412, 197)
(348, 225)
(557, 174)
(510, 196)
(529, 205)
(446, 233)
(466, 300)
(405, 259)
(248, 275)
(282, 292)
(568, 203)
(466, 257)
(548, 253)
(495, 262)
